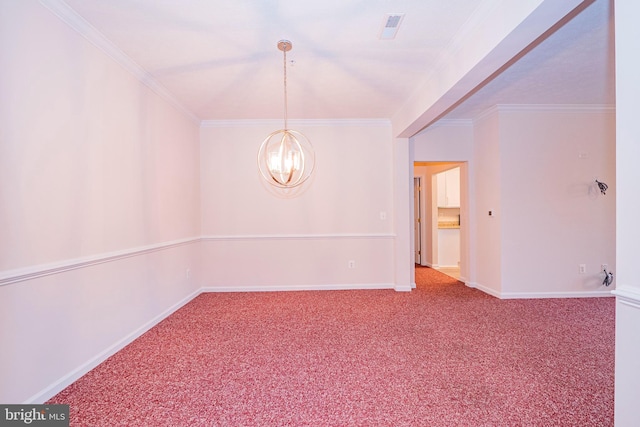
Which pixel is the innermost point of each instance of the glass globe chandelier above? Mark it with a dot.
(286, 158)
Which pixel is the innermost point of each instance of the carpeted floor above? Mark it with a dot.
(442, 355)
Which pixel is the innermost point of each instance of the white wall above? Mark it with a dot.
(488, 179)
(258, 238)
(627, 213)
(552, 215)
(446, 141)
(99, 204)
(534, 168)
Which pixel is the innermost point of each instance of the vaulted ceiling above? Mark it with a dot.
(218, 58)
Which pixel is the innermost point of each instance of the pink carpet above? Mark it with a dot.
(442, 355)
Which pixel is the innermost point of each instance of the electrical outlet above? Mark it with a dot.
(582, 268)
(352, 264)
(187, 273)
(604, 267)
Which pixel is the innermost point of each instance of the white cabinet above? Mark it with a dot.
(448, 183)
(442, 189)
(449, 247)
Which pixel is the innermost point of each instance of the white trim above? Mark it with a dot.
(596, 108)
(19, 275)
(278, 123)
(95, 37)
(547, 295)
(298, 236)
(68, 379)
(558, 108)
(281, 288)
(628, 296)
(485, 114)
(404, 288)
(536, 295)
(71, 377)
(452, 123)
(484, 289)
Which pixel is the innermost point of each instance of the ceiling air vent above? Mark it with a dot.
(392, 22)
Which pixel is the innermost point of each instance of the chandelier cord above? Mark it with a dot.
(285, 88)
(286, 158)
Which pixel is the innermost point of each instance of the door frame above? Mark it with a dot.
(417, 219)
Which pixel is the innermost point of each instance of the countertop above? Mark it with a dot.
(448, 224)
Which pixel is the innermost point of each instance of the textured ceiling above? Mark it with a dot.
(574, 65)
(218, 58)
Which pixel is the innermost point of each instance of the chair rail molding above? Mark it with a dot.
(20, 275)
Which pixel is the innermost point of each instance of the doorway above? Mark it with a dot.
(417, 219)
(439, 202)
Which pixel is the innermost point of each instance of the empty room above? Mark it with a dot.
(234, 212)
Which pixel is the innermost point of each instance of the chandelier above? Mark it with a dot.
(286, 158)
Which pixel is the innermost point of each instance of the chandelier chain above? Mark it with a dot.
(285, 89)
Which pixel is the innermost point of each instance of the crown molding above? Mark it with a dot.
(558, 108)
(452, 123)
(277, 123)
(597, 108)
(485, 114)
(70, 17)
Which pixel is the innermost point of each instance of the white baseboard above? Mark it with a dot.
(74, 375)
(539, 295)
(484, 289)
(404, 288)
(68, 379)
(279, 288)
